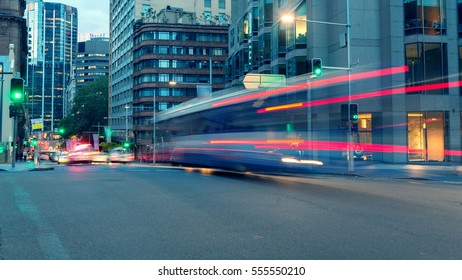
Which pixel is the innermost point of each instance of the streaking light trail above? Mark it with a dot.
(313, 84)
(372, 94)
(283, 144)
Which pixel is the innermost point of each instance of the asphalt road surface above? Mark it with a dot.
(114, 212)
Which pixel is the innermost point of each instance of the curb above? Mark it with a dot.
(42, 169)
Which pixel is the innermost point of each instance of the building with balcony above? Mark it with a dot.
(174, 63)
(123, 16)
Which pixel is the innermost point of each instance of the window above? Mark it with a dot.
(164, 92)
(207, 3)
(460, 66)
(459, 13)
(164, 36)
(425, 17)
(222, 4)
(164, 64)
(427, 64)
(163, 49)
(164, 78)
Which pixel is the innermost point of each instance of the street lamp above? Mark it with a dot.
(290, 18)
(126, 122)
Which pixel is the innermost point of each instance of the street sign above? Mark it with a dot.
(252, 80)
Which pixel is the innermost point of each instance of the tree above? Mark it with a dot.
(90, 108)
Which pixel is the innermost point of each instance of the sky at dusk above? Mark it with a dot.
(93, 17)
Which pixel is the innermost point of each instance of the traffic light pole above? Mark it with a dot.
(351, 163)
(15, 131)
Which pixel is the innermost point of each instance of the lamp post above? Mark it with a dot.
(154, 128)
(1, 99)
(347, 25)
(126, 122)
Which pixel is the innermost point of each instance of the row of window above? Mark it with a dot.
(177, 64)
(179, 78)
(178, 92)
(92, 54)
(181, 36)
(221, 4)
(180, 50)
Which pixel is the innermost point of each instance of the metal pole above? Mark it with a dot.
(15, 124)
(309, 127)
(210, 73)
(1, 101)
(154, 128)
(126, 123)
(351, 163)
(43, 68)
(53, 74)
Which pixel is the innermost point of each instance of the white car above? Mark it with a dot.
(121, 155)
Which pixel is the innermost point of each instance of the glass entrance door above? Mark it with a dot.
(426, 136)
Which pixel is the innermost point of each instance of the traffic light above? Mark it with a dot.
(316, 64)
(17, 90)
(13, 111)
(33, 142)
(354, 112)
(126, 145)
(61, 130)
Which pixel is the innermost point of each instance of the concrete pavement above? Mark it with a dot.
(27, 166)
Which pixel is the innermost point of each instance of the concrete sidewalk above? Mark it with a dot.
(438, 172)
(26, 166)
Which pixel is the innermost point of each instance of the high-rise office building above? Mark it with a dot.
(422, 124)
(91, 63)
(123, 15)
(52, 50)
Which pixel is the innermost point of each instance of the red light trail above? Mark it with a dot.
(283, 144)
(372, 94)
(314, 84)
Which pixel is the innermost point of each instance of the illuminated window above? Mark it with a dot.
(426, 136)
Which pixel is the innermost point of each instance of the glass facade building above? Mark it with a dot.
(422, 124)
(52, 50)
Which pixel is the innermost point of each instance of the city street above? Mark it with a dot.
(143, 212)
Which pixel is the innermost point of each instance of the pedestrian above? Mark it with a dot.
(24, 154)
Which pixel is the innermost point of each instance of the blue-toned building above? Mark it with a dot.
(52, 37)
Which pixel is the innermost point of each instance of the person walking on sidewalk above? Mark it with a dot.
(24, 154)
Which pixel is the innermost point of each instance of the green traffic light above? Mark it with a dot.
(61, 130)
(17, 90)
(126, 145)
(33, 142)
(316, 64)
